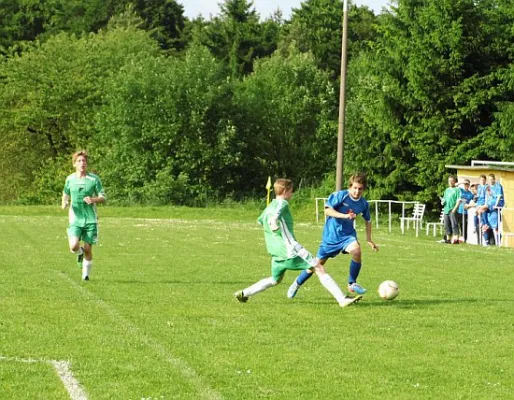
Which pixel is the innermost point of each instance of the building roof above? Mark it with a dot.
(481, 165)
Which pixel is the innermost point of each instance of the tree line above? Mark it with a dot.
(172, 108)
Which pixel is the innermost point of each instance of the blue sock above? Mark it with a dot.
(304, 275)
(355, 269)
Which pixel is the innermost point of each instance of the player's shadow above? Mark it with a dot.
(175, 282)
(411, 303)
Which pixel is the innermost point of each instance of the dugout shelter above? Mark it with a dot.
(504, 173)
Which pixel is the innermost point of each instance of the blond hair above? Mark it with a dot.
(282, 185)
(78, 154)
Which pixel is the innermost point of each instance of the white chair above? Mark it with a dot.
(434, 225)
(417, 218)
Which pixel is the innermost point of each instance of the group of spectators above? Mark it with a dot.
(486, 197)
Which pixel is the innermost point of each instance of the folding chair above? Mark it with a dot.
(434, 225)
(417, 218)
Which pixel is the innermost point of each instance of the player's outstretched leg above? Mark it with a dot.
(243, 295)
(348, 301)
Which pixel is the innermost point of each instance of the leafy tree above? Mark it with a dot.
(429, 92)
(23, 22)
(164, 132)
(50, 95)
(26, 21)
(286, 112)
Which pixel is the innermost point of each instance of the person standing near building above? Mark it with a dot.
(450, 202)
(462, 212)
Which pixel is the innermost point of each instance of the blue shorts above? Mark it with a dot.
(331, 250)
(492, 218)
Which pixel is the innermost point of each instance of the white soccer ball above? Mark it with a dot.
(388, 290)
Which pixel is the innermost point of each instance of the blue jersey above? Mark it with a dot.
(497, 198)
(467, 196)
(336, 229)
(481, 192)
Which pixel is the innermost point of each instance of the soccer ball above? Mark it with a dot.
(388, 290)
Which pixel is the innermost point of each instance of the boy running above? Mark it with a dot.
(339, 235)
(85, 191)
(286, 253)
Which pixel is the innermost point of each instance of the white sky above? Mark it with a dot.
(193, 8)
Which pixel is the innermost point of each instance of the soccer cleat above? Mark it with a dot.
(356, 288)
(86, 278)
(240, 296)
(348, 301)
(80, 258)
(293, 289)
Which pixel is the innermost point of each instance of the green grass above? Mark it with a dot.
(158, 319)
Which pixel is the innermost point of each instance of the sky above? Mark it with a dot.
(193, 8)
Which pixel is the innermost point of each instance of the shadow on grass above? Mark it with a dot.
(176, 282)
(413, 303)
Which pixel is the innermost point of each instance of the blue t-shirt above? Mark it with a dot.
(467, 196)
(496, 196)
(481, 191)
(337, 228)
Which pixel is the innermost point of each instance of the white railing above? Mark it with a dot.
(376, 202)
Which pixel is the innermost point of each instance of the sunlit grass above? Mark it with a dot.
(158, 319)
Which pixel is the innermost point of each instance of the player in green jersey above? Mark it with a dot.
(286, 253)
(85, 191)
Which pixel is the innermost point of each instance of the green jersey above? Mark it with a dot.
(280, 243)
(81, 213)
(450, 198)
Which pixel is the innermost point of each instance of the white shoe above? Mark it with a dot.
(348, 301)
(293, 289)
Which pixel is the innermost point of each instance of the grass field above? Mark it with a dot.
(158, 320)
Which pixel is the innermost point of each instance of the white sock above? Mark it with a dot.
(86, 268)
(258, 287)
(332, 286)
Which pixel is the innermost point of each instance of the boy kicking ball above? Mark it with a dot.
(286, 253)
(339, 235)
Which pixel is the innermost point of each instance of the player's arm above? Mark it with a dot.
(368, 236)
(65, 201)
(94, 200)
(331, 212)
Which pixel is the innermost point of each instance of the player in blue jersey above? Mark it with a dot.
(286, 253)
(466, 196)
(490, 210)
(84, 190)
(339, 235)
(481, 193)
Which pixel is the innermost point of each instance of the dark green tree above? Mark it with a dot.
(317, 27)
(237, 37)
(50, 95)
(429, 93)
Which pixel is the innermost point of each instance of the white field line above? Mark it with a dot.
(63, 371)
(203, 388)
